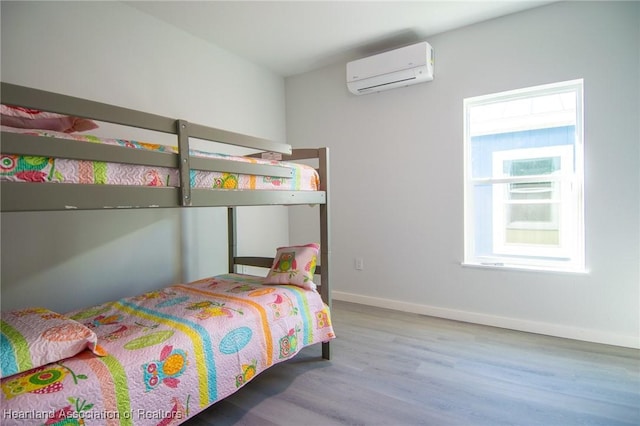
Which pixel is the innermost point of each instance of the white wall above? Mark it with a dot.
(110, 52)
(401, 153)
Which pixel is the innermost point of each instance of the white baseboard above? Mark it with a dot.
(495, 321)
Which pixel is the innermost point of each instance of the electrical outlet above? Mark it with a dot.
(358, 263)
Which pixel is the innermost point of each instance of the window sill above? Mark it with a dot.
(525, 268)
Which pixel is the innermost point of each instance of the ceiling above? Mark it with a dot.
(293, 37)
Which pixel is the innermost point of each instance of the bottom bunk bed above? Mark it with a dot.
(158, 358)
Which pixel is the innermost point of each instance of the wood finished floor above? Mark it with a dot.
(393, 368)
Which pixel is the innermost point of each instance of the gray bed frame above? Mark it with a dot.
(24, 196)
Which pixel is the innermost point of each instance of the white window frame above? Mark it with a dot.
(569, 254)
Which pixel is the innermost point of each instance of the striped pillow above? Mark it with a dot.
(34, 337)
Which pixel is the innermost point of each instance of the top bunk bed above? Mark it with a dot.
(176, 186)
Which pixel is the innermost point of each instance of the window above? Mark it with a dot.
(524, 178)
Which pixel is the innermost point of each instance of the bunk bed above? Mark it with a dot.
(163, 356)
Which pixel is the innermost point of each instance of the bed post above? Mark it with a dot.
(231, 238)
(182, 130)
(325, 242)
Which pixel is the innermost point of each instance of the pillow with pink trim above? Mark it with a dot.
(294, 265)
(34, 337)
(26, 118)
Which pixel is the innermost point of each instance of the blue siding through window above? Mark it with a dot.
(482, 149)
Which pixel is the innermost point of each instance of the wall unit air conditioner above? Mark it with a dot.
(396, 68)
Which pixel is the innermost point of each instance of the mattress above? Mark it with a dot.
(171, 353)
(42, 169)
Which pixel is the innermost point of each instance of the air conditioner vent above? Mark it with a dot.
(396, 68)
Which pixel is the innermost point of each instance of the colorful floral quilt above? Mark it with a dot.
(42, 169)
(171, 353)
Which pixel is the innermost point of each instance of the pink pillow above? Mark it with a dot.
(25, 118)
(294, 265)
(34, 337)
